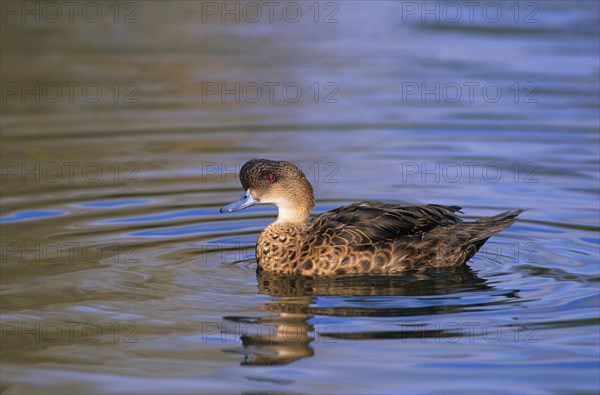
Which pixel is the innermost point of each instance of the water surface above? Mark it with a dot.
(119, 274)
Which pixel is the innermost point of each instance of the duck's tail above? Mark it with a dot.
(486, 227)
(464, 239)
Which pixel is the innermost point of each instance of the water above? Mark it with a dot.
(119, 275)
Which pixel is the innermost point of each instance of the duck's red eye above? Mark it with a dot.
(270, 178)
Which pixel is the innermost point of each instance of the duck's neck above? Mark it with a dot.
(293, 215)
(297, 205)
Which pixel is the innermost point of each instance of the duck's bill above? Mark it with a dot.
(245, 201)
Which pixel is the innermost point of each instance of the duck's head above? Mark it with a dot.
(275, 182)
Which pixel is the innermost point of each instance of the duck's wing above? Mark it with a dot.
(375, 221)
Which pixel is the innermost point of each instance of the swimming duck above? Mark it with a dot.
(361, 238)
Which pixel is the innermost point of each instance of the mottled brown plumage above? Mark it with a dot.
(366, 237)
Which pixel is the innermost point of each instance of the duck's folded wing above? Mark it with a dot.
(368, 222)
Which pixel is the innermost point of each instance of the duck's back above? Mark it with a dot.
(385, 222)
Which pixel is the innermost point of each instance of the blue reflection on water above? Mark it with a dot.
(117, 203)
(31, 215)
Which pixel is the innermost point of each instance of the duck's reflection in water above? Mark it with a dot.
(286, 336)
(278, 339)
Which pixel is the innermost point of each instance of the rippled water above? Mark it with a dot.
(119, 275)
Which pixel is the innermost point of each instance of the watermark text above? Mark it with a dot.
(52, 12)
(469, 171)
(270, 11)
(269, 92)
(35, 92)
(518, 12)
(469, 92)
(316, 172)
(69, 172)
(68, 332)
(68, 252)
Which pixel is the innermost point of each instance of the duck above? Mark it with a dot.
(365, 238)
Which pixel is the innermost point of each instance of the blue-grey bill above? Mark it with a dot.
(246, 200)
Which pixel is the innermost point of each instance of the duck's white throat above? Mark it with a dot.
(286, 214)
